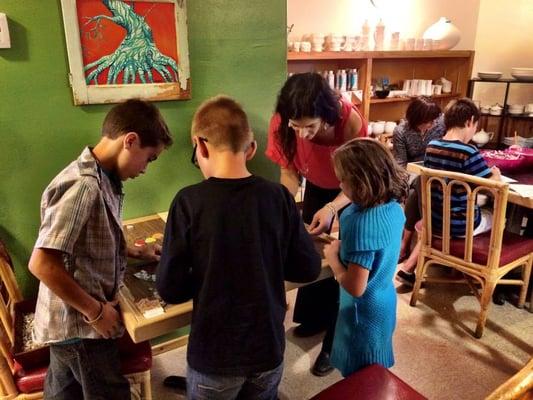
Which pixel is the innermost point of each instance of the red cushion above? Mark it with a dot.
(370, 383)
(31, 380)
(513, 246)
(134, 358)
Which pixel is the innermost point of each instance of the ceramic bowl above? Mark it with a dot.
(381, 94)
(378, 127)
(389, 126)
(489, 75)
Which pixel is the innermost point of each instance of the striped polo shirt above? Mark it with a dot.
(455, 156)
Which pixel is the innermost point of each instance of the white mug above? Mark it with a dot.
(529, 108)
(296, 46)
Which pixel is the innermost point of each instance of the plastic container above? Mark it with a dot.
(28, 359)
(505, 160)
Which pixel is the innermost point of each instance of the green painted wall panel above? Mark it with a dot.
(237, 47)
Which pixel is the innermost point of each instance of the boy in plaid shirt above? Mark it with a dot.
(80, 255)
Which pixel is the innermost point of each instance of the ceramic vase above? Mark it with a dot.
(445, 33)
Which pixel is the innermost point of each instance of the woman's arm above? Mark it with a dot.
(290, 178)
(323, 217)
(353, 279)
(399, 149)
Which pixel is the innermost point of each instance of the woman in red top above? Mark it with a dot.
(311, 121)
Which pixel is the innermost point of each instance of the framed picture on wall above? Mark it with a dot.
(119, 49)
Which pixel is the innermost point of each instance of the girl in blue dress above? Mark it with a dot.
(364, 260)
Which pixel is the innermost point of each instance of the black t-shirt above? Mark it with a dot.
(229, 245)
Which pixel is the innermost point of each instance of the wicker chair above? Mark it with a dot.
(27, 383)
(483, 259)
(517, 387)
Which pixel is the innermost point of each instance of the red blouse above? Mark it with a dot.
(313, 161)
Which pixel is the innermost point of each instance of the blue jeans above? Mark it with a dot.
(258, 386)
(86, 369)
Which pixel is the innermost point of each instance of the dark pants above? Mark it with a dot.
(87, 369)
(413, 206)
(318, 303)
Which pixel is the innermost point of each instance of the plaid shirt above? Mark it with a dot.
(80, 216)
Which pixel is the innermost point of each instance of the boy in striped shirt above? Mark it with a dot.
(453, 153)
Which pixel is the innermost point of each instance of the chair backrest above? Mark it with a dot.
(470, 187)
(9, 294)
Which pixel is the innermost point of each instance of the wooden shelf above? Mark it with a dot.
(363, 55)
(408, 98)
(454, 65)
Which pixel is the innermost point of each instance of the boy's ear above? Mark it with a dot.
(251, 150)
(129, 139)
(470, 122)
(204, 151)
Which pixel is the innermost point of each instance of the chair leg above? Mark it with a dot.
(420, 272)
(526, 274)
(486, 297)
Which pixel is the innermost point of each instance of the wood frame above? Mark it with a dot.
(146, 66)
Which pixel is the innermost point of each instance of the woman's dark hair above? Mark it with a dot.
(371, 173)
(306, 95)
(459, 112)
(420, 111)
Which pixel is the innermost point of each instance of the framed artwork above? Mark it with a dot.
(119, 49)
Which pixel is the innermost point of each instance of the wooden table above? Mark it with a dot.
(515, 198)
(175, 316)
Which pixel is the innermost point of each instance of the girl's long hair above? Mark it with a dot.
(371, 173)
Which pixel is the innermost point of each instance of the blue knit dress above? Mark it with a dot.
(370, 238)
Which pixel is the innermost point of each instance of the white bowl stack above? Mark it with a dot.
(522, 74)
(515, 109)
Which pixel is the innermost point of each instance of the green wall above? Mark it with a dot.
(236, 47)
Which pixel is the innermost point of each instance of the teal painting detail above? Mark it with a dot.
(136, 56)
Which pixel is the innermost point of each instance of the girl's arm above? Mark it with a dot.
(353, 279)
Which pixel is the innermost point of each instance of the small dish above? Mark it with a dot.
(489, 75)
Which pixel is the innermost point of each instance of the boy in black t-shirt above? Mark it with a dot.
(230, 243)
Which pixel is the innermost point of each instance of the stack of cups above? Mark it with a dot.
(395, 41)
(317, 42)
(409, 44)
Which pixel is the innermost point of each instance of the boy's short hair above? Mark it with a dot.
(223, 122)
(459, 112)
(137, 116)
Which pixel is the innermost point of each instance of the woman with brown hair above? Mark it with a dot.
(424, 122)
(310, 122)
